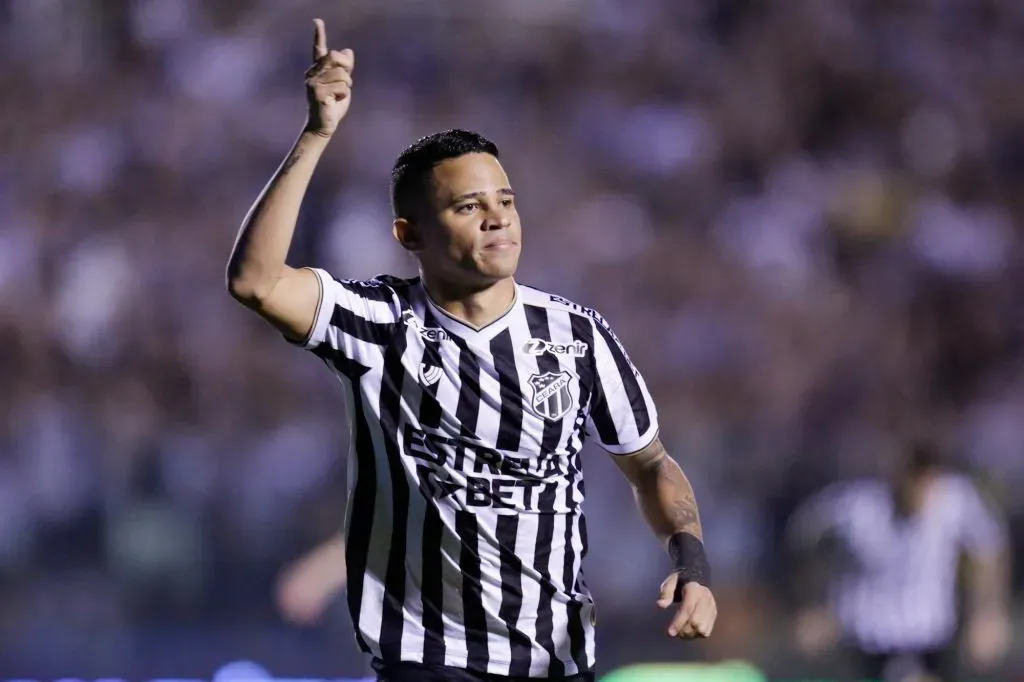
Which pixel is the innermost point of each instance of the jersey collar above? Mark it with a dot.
(464, 329)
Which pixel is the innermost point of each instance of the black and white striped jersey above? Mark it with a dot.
(897, 587)
(465, 527)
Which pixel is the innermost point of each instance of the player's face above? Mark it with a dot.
(474, 236)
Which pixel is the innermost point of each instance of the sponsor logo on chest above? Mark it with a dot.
(435, 334)
(576, 349)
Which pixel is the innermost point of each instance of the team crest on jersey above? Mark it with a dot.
(552, 398)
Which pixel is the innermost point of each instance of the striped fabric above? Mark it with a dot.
(465, 529)
(896, 590)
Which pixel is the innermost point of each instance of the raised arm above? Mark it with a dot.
(667, 503)
(257, 275)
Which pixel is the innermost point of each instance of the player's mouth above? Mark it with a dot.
(500, 245)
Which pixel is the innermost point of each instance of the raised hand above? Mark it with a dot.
(328, 84)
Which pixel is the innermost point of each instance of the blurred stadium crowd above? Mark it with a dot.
(802, 217)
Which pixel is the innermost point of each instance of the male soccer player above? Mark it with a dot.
(470, 397)
(894, 591)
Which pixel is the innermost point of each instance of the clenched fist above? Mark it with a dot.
(328, 84)
(697, 613)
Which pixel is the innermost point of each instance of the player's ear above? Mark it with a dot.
(407, 234)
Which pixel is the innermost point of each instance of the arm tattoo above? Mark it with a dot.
(290, 162)
(679, 503)
(665, 495)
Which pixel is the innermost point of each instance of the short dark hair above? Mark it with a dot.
(411, 173)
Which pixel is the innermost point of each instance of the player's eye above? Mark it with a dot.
(466, 208)
(507, 203)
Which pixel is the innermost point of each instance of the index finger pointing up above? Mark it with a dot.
(319, 40)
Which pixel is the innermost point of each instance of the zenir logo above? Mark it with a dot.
(428, 333)
(576, 349)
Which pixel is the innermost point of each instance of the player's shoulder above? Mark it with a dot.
(400, 285)
(555, 302)
(377, 281)
(959, 484)
(855, 492)
(957, 479)
(382, 298)
(375, 287)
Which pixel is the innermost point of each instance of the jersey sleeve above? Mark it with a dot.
(980, 529)
(622, 416)
(351, 316)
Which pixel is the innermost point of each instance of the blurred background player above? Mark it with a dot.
(894, 548)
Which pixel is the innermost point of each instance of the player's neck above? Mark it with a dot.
(477, 307)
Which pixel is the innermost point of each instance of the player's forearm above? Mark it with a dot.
(258, 258)
(666, 500)
(989, 584)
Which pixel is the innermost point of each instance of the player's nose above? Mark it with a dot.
(496, 222)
